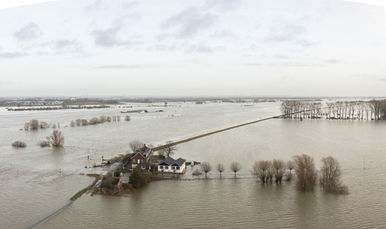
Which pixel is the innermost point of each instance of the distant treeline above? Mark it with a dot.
(343, 110)
(55, 101)
(49, 108)
(98, 120)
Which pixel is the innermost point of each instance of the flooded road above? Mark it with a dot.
(37, 181)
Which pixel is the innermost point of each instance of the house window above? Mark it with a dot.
(167, 167)
(161, 167)
(177, 167)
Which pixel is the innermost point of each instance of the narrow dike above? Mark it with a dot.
(68, 203)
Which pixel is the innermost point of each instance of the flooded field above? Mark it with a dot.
(36, 182)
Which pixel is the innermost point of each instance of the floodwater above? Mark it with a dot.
(35, 182)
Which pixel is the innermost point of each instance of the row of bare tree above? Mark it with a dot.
(206, 167)
(347, 110)
(98, 120)
(36, 125)
(306, 174)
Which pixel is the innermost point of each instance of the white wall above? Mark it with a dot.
(170, 170)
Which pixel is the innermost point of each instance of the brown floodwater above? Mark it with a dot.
(35, 182)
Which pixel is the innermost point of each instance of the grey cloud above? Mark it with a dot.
(28, 32)
(189, 22)
(201, 48)
(124, 66)
(108, 37)
(9, 55)
(289, 33)
(64, 43)
(285, 33)
(305, 43)
(224, 34)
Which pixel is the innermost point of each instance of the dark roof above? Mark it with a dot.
(180, 161)
(148, 152)
(145, 151)
(171, 161)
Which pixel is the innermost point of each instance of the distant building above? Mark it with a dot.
(170, 165)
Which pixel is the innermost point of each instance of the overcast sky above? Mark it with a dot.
(193, 47)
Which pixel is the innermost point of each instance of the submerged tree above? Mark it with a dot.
(136, 145)
(169, 150)
(330, 176)
(290, 167)
(260, 170)
(235, 167)
(270, 173)
(305, 172)
(44, 125)
(45, 143)
(72, 123)
(220, 168)
(19, 144)
(206, 167)
(26, 126)
(34, 124)
(57, 138)
(279, 170)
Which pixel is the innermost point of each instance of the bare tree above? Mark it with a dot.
(34, 124)
(57, 138)
(102, 119)
(260, 170)
(19, 144)
(168, 150)
(93, 121)
(220, 168)
(44, 125)
(305, 172)
(206, 167)
(290, 167)
(235, 167)
(45, 143)
(26, 126)
(136, 145)
(270, 172)
(330, 176)
(279, 170)
(84, 122)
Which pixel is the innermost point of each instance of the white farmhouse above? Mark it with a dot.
(169, 165)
